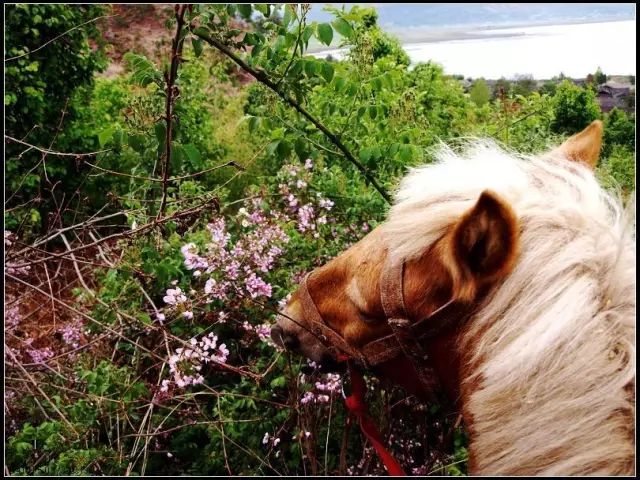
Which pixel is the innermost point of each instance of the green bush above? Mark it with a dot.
(574, 108)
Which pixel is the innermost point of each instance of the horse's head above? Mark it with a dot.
(472, 253)
(468, 254)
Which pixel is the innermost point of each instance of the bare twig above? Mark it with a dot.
(75, 265)
(126, 234)
(52, 152)
(37, 387)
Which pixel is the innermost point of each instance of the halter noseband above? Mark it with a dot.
(407, 338)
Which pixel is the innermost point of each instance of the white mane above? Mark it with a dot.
(551, 350)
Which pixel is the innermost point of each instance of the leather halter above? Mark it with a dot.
(407, 338)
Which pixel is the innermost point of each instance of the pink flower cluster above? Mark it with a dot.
(177, 300)
(11, 268)
(72, 333)
(329, 384)
(40, 355)
(242, 262)
(307, 218)
(185, 365)
(263, 331)
(12, 317)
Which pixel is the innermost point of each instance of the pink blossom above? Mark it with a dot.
(174, 296)
(72, 333)
(257, 287)
(12, 316)
(40, 355)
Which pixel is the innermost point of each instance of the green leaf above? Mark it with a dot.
(254, 124)
(160, 130)
(271, 148)
(339, 83)
(118, 137)
(105, 135)
(306, 34)
(143, 71)
(263, 8)
(177, 155)
(405, 153)
(197, 46)
(192, 154)
(373, 112)
(288, 16)
(137, 142)
(343, 27)
(256, 50)
(325, 33)
(201, 31)
(278, 382)
(283, 149)
(310, 68)
(300, 146)
(296, 68)
(144, 318)
(327, 72)
(245, 10)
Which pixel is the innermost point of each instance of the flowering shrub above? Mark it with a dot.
(185, 365)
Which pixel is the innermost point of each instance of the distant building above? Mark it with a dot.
(612, 95)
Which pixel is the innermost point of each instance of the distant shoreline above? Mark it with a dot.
(420, 35)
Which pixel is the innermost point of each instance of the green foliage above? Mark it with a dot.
(574, 108)
(548, 88)
(501, 87)
(480, 92)
(41, 76)
(619, 129)
(599, 77)
(39, 79)
(524, 85)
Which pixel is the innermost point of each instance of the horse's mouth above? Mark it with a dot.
(329, 365)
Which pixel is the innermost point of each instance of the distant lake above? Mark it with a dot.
(543, 51)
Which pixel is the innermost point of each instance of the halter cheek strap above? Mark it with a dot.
(331, 339)
(391, 294)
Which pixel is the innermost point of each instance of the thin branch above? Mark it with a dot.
(262, 77)
(59, 36)
(35, 384)
(125, 234)
(171, 95)
(52, 152)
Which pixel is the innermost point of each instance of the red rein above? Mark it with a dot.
(356, 405)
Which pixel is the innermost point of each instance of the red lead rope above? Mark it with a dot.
(357, 406)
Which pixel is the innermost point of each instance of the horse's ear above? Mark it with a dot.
(484, 243)
(584, 146)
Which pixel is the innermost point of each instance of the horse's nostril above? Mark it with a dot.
(291, 342)
(276, 335)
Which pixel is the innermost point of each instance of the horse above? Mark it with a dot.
(541, 260)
